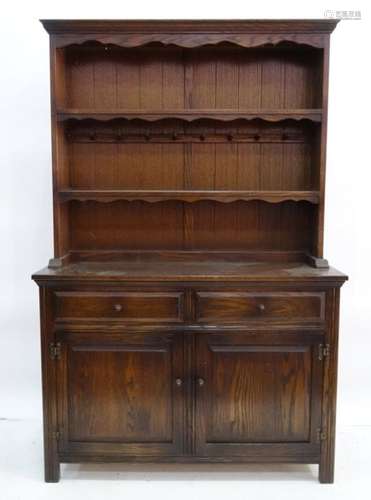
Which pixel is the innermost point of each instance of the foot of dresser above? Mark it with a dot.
(326, 472)
(52, 471)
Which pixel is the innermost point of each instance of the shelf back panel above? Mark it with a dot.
(209, 156)
(204, 225)
(224, 77)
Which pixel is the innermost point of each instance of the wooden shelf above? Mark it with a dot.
(109, 195)
(272, 115)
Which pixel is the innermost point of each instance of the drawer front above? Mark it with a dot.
(124, 306)
(243, 306)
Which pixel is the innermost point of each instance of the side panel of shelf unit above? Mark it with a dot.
(60, 156)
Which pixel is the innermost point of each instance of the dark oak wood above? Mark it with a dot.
(272, 115)
(188, 314)
(205, 225)
(161, 26)
(327, 460)
(236, 307)
(130, 306)
(137, 379)
(49, 384)
(186, 33)
(109, 195)
(175, 267)
(151, 83)
(257, 395)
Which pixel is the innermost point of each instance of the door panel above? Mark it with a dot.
(122, 394)
(257, 390)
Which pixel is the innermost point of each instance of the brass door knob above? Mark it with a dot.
(117, 307)
(178, 381)
(201, 382)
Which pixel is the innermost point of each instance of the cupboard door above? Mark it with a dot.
(121, 394)
(258, 395)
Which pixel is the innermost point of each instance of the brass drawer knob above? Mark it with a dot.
(117, 307)
(201, 382)
(261, 307)
(178, 381)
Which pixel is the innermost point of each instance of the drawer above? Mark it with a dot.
(243, 306)
(125, 306)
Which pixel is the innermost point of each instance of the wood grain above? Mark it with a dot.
(272, 407)
(153, 195)
(186, 33)
(96, 79)
(232, 226)
(231, 306)
(133, 379)
(131, 306)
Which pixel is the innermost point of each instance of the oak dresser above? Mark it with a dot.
(188, 314)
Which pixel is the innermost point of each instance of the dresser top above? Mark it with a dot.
(181, 270)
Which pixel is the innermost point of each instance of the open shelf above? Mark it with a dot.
(108, 195)
(272, 115)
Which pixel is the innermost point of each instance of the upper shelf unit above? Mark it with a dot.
(222, 122)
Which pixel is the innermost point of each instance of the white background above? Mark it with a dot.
(26, 246)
